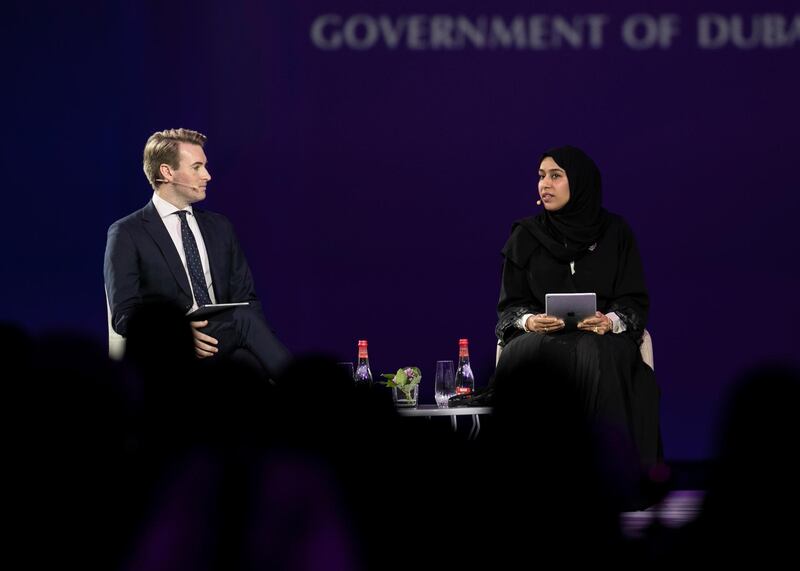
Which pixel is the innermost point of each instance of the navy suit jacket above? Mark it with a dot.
(142, 264)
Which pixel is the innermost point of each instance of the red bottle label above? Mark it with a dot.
(463, 390)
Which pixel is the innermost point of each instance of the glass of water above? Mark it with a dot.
(444, 382)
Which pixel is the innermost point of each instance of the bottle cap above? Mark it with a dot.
(463, 341)
(362, 342)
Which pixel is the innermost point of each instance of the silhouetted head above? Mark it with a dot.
(159, 336)
(758, 434)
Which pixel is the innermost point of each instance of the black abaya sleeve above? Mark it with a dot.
(631, 302)
(516, 298)
(515, 301)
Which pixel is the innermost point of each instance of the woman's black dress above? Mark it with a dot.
(617, 390)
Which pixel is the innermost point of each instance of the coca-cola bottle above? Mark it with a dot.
(363, 376)
(465, 380)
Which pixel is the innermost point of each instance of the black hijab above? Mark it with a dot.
(581, 221)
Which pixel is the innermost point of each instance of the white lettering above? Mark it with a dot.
(712, 31)
(564, 29)
(507, 36)
(392, 33)
(643, 31)
(793, 35)
(596, 23)
(417, 32)
(668, 29)
(475, 33)
(774, 31)
(442, 32)
(360, 23)
(738, 35)
(318, 37)
(537, 32)
(631, 35)
(715, 31)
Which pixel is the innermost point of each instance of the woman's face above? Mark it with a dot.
(553, 185)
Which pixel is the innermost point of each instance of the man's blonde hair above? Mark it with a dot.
(162, 148)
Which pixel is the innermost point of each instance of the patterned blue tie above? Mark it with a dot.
(193, 262)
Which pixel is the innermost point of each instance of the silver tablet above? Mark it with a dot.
(204, 311)
(572, 306)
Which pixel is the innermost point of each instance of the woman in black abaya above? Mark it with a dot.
(575, 245)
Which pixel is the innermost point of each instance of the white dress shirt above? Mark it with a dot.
(172, 222)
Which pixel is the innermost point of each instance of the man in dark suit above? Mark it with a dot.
(170, 251)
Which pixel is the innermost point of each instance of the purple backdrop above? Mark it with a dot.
(372, 156)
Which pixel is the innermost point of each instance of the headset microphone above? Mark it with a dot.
(178, 183)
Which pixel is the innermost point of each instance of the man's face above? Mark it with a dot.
(553, 185)
(191, 177)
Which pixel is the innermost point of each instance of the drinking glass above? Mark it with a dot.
(444, 382)
(347, 367)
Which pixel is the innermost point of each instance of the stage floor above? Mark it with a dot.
(677, 509)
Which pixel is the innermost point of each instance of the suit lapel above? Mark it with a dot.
(158, 232)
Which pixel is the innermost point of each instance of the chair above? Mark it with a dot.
(646, 349)
(116, 342)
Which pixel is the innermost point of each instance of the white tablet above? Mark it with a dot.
(571, 306)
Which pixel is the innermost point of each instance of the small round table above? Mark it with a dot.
(429, 410)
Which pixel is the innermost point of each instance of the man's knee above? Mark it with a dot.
(246, 317)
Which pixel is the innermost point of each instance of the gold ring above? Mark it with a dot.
(595, 328)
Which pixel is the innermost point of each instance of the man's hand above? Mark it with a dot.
(204, 345)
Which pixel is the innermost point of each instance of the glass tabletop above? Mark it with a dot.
(433, 410)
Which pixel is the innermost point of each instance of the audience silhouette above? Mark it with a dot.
(750, 510)
(164, 461)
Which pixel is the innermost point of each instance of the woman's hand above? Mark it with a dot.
(599, 324)
(544, 324)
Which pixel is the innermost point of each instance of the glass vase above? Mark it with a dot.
(405, 398)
